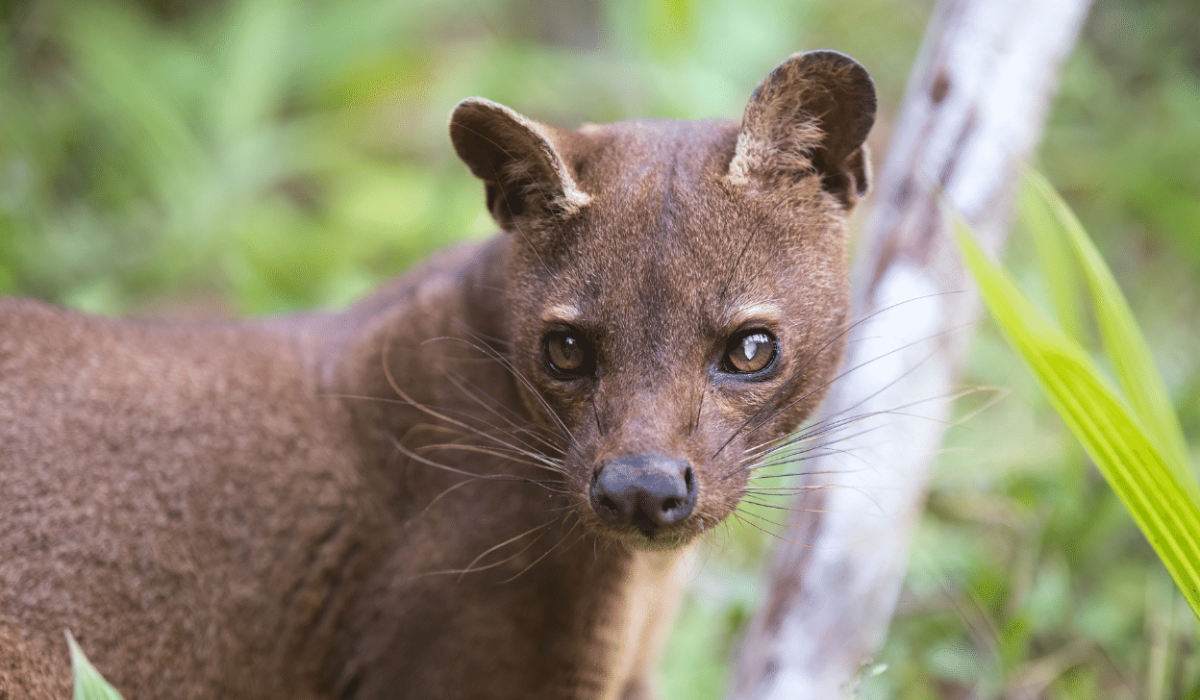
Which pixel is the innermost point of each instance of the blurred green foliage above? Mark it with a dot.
(266, 155)
(168, 157)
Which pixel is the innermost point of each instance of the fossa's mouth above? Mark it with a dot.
(656, 540)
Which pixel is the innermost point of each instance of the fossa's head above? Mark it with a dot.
(678, 289)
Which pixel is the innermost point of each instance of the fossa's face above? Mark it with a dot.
(678, 300)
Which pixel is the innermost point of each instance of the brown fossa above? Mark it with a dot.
(479, 482)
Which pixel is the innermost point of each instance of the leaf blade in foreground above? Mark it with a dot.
(1123, 340)
(89, 684)
(1141, 474)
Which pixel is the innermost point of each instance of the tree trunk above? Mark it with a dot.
(972, 116)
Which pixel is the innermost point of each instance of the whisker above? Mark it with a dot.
(818, 430)
(791, 458)
(856, 489)
(457, 380)
(789, 490)
(737, 262)
(408, 400)
(829, 424)
(773, 506)
(829, 343)
(498, 546)
(463, 572)
(948, 396)
(795, 455)
(535, 561)
(699, 408)
(860, 366)
(767, 532)
(444, 493)
(796, 526)
(795, 474)
(910, 370)
(998, 394)
(493, 433)
(795, 445)
(462, 472)
(578, 538)
(811, 511)
(439, 415)
(510, 455)
(506, 451)
(596, 413)
(512, 370)
(824, 426)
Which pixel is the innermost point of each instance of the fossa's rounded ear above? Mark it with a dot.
(523, 174)
(812, 113)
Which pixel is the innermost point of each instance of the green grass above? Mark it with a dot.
(89, 684)
(1134, 440)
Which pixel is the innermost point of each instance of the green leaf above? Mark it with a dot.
(89, 684)
(1124, 342)
(1055, 260)
(1140, 471)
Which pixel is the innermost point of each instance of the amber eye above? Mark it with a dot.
(749, 352)
(569, 354)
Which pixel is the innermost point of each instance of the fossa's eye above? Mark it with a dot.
(750, 352)
(569, 354)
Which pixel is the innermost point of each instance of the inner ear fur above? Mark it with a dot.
(811, 114)
(523, 174)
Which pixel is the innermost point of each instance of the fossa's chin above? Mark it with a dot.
(656, 541)
(661, 539)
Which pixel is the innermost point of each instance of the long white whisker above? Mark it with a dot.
(510, 540)
(535, 561)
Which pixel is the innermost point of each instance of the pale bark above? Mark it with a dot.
(972, 116)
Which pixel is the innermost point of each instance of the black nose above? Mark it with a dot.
(647, 490)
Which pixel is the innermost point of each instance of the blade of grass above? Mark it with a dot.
(1139, 472)
(89, 684)
(1123, 340)
(259, 37)
(1055, 261)
(110, 45)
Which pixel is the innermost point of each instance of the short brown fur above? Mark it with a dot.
(393, 501)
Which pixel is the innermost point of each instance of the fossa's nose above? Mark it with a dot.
(647, 491)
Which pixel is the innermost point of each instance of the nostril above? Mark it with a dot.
(648, 491)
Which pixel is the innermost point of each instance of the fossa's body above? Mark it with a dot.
(479, 482)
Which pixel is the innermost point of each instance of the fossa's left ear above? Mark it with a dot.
(812, 113)
(524, 175)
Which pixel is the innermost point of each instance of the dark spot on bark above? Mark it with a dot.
(903, 193)
(960, 143)
(940, 87)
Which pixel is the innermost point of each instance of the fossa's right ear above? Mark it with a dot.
(812, 113)
(523, 174)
